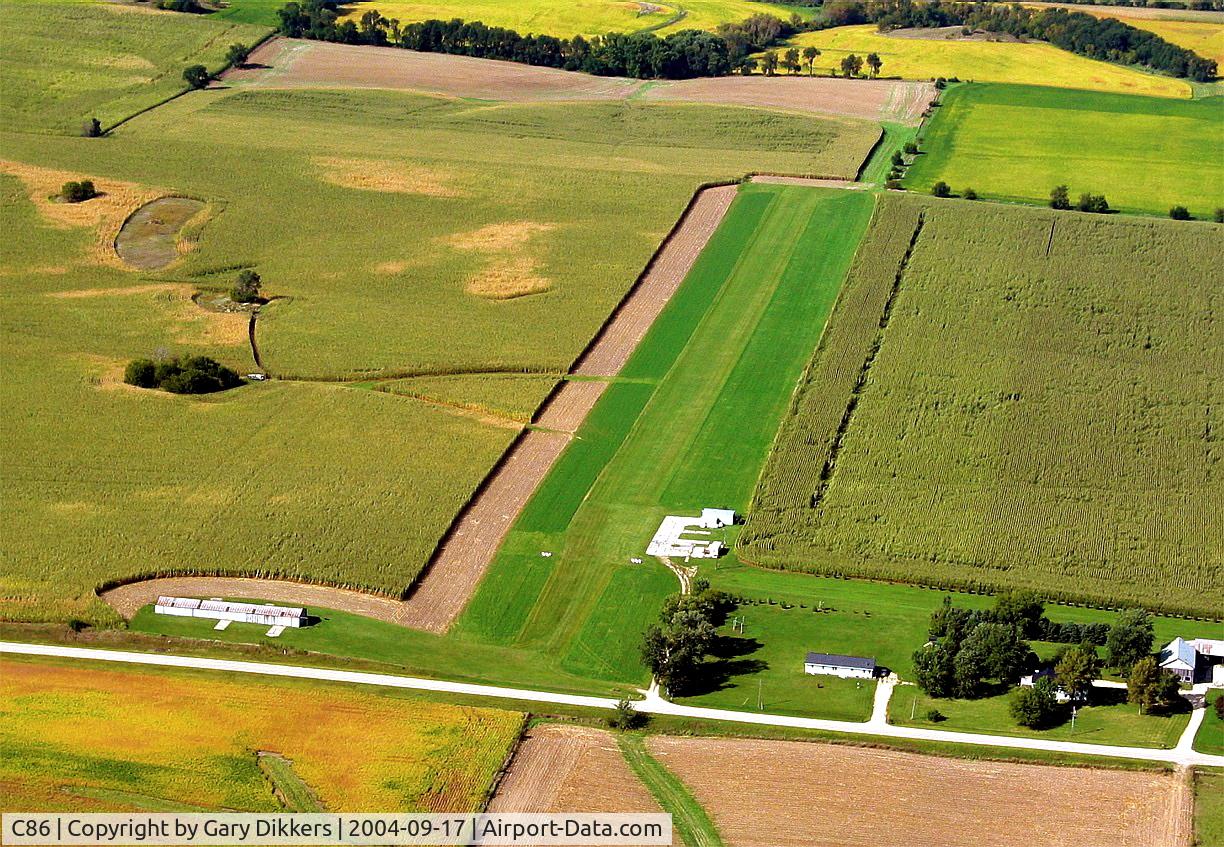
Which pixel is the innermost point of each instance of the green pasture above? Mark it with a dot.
(1016, 142)
(306, 477)
(1208, 807)
(1108, 719)
(63, 62)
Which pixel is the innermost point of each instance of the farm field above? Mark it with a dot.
(815, 795)
(587, 17)
(1018, 142)
(643, 452)
(996, 458)
(288, 63)
(1110, 720)
(398, 204)
(89, 739)
(133, 58)
(1199, 30)
(927, 54)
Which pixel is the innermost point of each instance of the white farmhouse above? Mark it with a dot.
(835, 664)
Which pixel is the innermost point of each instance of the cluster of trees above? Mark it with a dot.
(78, 192)
(186, 375)
(942, 189)
(196, 76)
(1060, 198)
(246, 288)
(1037, 706)
(1107, 39)
(675, 647)
(968, 648)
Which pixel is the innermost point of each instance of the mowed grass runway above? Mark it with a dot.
(1033, 63)
(1011, 142)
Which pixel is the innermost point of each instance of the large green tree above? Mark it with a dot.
(1130, 639)
(1076, 669)
(1036, 706)
(1151, 687)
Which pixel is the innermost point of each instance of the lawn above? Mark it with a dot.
(586, 17)
(372, 262)
(133, 57)
(1208, 807)
(1112, 721)
(1210, 737)
(1018, 142)
(1033, 63)
(105, 739)
(1029, 415)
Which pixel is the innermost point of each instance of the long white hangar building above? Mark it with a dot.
(227, 611)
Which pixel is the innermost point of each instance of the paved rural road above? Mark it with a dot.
(1183, 754)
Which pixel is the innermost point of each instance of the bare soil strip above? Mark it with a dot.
(668, 269)
(781, 793)
(811, 182)
(560, 768)
(288, 63)
(468, 548)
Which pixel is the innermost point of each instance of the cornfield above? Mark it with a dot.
(1039, 409)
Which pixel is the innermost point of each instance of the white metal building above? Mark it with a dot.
(670, 538)
(835, 664)
(224, 610)
(717, 518)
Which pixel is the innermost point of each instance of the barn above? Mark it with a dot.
(225, 610)
(835, 664)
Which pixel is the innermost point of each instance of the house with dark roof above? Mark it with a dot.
(835, 664)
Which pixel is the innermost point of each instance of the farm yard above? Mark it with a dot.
(930, 53)
(1012, 142)
(92, 740)
(1019, 456)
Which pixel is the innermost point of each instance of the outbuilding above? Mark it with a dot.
(835, 664)
(1180, 658)
(225, 610)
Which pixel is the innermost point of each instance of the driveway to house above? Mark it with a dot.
(1182, 754)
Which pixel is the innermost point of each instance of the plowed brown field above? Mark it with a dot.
(288, 63)
(559, 768)
(780, 793)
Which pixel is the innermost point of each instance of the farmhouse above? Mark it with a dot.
(1189, 660)
(1029, 680)
(834, 664)
(225, 612)
(669, 539)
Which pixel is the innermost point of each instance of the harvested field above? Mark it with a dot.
(378, 175)
(810, 182)
(671, 264)
(810, 795)
(559, 768)
(871, 99)
(287, 63)
(148, 239)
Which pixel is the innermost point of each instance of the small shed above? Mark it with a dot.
(835, 664)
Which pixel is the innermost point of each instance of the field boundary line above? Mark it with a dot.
(650, 705)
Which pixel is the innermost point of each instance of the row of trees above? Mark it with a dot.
(676, 647)
(1060, 198)
(794, 60)
(1107, 39)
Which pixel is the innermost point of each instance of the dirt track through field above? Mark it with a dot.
(560, 768)
(468, 548)
(288, 63)
(782, 793)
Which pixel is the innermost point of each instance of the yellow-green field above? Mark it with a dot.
(565, 18)
(1206, 39)
(984, 61)
(100, 739)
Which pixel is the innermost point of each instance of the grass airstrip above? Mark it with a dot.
(942, 53)
(1012, 142)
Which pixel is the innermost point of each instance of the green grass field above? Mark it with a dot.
(1208, 807)
(63, 62)
(314, 479)
(1107, 723)
(1010, 142)
(690, 819)
(1210, 737)
(1004, 433)
(1032, 63)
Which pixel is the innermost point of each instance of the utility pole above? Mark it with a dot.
(760, 702)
